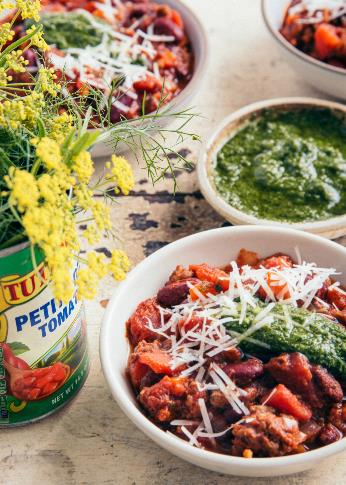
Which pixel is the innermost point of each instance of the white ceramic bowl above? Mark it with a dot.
(217, 246)
(322, 76)
(199, 43)
(330, 228)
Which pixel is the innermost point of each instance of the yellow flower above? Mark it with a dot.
(45, 81)
(97, 264)
(7, 5)
(4, 77)
(50, 188)
(60, 126)
(15, 61)
(83, 166)
(48, 151)
(29, 9)
(120, 172)
(24, 190)
(83, 196)
(87, 282)
(21, 111)
(6, 33)
(119, 264)
(101, 215)
(37, 39)
(92, 234)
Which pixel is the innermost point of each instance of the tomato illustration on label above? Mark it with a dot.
(43, 348)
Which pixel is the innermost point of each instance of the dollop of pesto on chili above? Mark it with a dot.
(286, 166)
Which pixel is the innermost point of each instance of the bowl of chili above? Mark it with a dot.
(312, 39)
(135, 57)
(135, 345)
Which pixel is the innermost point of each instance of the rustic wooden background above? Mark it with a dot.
(91, 441)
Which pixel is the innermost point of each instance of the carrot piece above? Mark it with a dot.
(204, 287)
(176, 18)
(166, 59)
(204, 272)
(285, 401)
(327, 40)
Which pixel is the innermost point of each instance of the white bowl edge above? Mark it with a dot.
(117, 379)
(200, 46)
(322, 76)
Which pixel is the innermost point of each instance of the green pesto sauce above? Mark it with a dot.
(313, 334)
(286, 166)
(71, 29)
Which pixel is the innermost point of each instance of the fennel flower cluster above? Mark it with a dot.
(49, 188)
(48, 204)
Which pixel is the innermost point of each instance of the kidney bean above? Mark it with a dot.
(330, 387)
(244, 372)
(164, 26)
(173, 294)
(329, 434)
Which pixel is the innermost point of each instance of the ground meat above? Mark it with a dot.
(180, 273)
(137, 324)
(245, 371)
(148, 362)
(337, 416)
(171, 398)
(294, 371)
(328, 385)
(218, 400)
(329, 434)
(266, 433)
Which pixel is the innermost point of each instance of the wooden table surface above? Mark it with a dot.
(91, 441)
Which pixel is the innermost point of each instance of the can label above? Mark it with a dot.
(43, 346)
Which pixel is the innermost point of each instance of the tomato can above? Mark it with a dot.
(43, 346)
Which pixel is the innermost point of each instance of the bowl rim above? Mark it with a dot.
(174, 444)
(218, 138)
(293, 50)
(199, 69)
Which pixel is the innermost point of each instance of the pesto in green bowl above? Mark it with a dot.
(286, 165)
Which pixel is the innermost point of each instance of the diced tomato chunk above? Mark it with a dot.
(327, 40)
(204, 272)
(150, 84)
(186, 325)
(246, 257)
(158, 361)
(285, 401)
(279, 261)
(278, 287)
